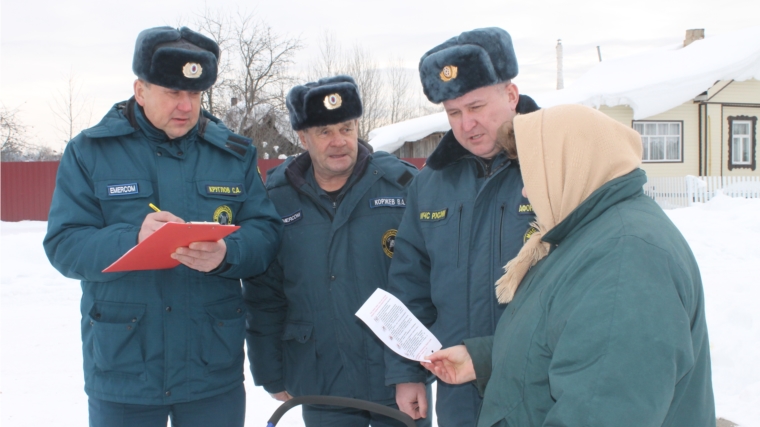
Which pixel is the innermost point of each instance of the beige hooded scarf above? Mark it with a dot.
(566, 153)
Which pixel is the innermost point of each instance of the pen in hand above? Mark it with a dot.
(154, 207)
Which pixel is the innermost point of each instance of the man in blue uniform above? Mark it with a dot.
(341, 206)
(465, 215)
(162, 343)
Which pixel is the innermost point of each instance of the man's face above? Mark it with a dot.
(332, 148)
(173, 111)
(476, 116)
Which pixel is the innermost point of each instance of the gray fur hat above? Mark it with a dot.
(325, 102)
(474, 59)
(176, 59)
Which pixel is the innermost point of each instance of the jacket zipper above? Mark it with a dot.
(501, 229)
(459, 233)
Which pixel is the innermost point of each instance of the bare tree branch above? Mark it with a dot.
(72, 109)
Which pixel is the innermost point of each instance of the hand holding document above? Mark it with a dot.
(397, 327)
(154, 253)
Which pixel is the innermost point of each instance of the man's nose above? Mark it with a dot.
(468, 121)
(185, 103)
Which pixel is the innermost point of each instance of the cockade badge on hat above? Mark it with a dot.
(192, 70)
(449, 72)
(333, 101)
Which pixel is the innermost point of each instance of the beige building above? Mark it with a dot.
(695, 104)
(715, 134)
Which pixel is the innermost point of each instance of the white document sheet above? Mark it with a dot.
(397, 327)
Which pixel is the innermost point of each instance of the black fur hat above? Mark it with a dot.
(177, 59)
(474, 59)
(325, 102)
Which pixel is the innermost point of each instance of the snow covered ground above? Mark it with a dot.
(41, 381)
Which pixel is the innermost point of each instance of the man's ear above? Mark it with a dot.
(302, 138)
(513, 93)
(139, 88)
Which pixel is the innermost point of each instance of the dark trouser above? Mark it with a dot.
(224, 410)
(457, 405)
(322, 416)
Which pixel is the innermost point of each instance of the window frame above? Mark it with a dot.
(681, 141)
(752, 164)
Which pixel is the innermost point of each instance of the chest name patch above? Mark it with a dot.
(292, 218)
(434, 216)
(525, 209)
(224, 190)
(387, 202)
(123, 189)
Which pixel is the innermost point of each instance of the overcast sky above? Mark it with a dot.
(43, 41)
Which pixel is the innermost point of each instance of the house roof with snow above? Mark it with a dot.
(650, 83)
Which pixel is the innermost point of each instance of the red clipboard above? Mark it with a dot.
(154, 253)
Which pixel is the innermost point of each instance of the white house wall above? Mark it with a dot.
(688, 114)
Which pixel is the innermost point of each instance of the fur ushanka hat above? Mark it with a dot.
(475, 59)
(325, 102)
(176, 59)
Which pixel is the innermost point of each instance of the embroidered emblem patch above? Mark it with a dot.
(224, 190)
(434, 216)
(192, 70)
(333, 101)
(529, 233)
(292, 218)
(449, 72)
(387, 202)
(223, 215)
(525, 209)
(123, 189)
(389, 242)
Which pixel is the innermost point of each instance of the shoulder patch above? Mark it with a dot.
(405, 178)
(292, 218)
(387, 202)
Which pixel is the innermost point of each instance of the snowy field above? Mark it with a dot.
(41, 381)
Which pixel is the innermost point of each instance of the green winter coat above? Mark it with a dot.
(607, 330)
(303, 334)
(158, 337)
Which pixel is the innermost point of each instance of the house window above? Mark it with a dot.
(661, 141)
(742, 142)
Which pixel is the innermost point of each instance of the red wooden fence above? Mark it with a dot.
(27, 187)
(26, 190)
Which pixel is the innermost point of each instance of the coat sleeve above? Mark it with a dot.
(251, 248)
(480, 352)
(78, 242)
(266, 310)
(621, 341)
(409, 281)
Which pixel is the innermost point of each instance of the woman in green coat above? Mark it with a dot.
(605, 323)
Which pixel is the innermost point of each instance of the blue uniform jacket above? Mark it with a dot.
(163, 336)
(303, 335)
(464, 220)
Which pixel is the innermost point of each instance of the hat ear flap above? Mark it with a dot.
(295, 103)
(145, 46)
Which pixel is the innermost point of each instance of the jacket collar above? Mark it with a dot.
(449, 150)
(597, 203)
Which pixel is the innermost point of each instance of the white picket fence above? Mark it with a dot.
(677, 192)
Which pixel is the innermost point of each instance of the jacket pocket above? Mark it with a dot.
(219, 201)
(299, 359)
(116, 337)
(125, 200)
(224, 334)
